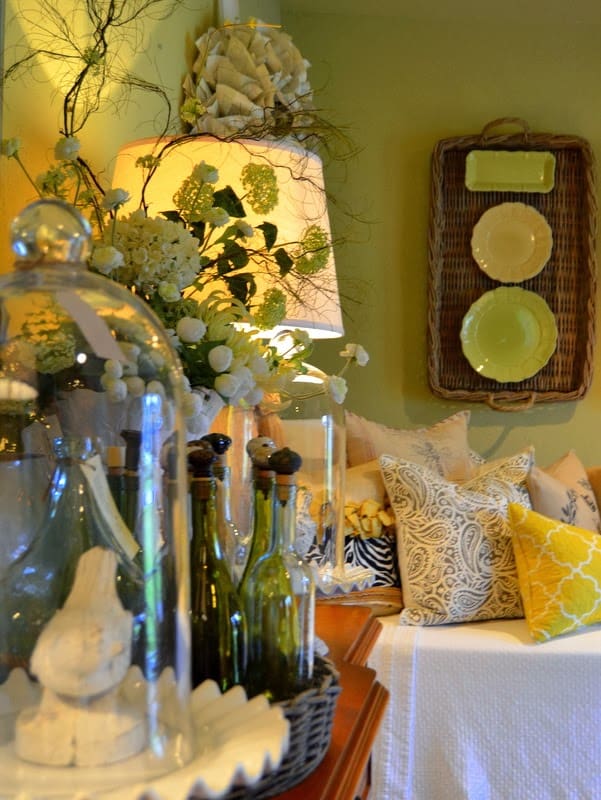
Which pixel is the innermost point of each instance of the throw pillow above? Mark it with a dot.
(370, 533)
(442, 448)
(455, 552)
(559, 570)
(364, 482)
(563, 491)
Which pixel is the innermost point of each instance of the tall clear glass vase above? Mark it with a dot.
(306, 419)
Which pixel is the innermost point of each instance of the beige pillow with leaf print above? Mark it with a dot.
(443, 447)
(563, 491)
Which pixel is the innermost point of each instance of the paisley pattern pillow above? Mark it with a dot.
(455, 552)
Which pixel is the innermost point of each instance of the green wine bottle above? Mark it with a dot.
(219, 634)
(286, 464)
(271, 612)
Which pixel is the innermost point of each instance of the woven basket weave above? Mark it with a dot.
(567, 282)
(310, 715)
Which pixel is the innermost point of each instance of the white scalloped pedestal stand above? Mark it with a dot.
(342, 578)
(237, 741)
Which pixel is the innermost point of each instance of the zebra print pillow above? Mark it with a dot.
(378, 553)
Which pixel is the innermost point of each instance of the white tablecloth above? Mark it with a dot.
(480, 712)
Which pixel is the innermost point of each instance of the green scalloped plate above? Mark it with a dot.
(509, 334)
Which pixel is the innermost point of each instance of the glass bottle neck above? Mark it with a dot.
(263, 512)
(285, 514)
(204, 513)
(223, 475)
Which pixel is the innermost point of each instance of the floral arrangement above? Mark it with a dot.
(173, 260)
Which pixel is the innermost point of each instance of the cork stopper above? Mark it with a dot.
(115, 456)
(201, 458)
(285, 461)
(259, 449)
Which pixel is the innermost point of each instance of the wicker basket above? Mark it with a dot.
(310, 715)
(567, 282)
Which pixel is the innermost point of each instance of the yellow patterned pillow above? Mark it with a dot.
(559, 572)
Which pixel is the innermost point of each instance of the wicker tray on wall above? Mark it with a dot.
(567, 282)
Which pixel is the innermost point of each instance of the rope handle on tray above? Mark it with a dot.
(511, 405)
(495, 123)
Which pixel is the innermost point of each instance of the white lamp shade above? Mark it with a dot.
(313, 302)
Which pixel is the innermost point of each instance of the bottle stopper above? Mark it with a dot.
(201, 458)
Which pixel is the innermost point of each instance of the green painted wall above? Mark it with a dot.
(400, 85)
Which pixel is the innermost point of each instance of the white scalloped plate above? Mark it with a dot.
(237, 741)
(511, 242)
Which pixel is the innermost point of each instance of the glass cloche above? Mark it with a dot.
(94, 573)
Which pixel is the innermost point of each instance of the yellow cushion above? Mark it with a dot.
(559, 573)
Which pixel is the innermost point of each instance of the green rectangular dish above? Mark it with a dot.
(509, 171)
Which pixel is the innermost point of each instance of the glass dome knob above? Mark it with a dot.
(50, 231)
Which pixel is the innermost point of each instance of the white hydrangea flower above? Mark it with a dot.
(106, 258)
(130, 368)
(216, 216)
(196, 425)
(245, 229)
(131, 351)
(67, 148)
(254, 397)
(227, 385)
(336, 387)
(116, 388)
(258, 366)
(114, 199)
(10, 147)
(220, 359)
(113, 368)
(135, 386)
(169, 292)
(157, 359)
(192, 404)
(355, 352)
(155, 387)
(191, 329)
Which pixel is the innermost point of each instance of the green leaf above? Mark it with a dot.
(270, 233)
(283, 260)
(228, 200)
(231, 232)
(198, 229)
(235, 255)
(242, 286)
(172, 216)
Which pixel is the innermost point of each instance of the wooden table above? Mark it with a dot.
(350, 632)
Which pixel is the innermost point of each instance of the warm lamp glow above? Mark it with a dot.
(314, 304)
